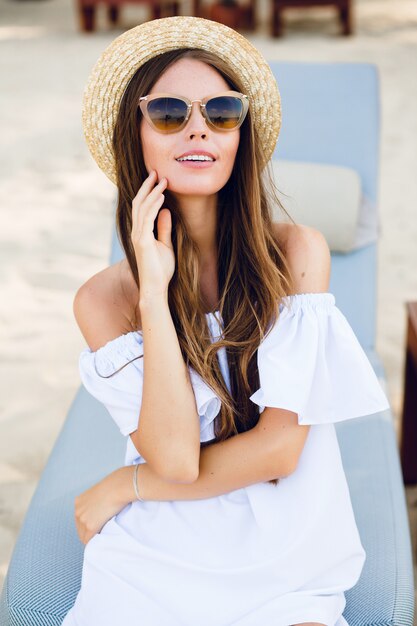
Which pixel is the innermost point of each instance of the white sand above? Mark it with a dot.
(56, 206)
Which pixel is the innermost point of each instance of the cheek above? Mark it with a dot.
(233, 142)
(231, 149)
(154, 147)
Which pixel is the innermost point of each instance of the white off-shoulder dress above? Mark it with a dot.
(262, 555)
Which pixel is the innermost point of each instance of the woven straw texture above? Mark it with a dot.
(118, 63)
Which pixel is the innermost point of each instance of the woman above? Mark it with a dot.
(217, 328)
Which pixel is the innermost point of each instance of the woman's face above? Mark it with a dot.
(195, 80)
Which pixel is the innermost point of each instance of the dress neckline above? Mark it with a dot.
(298, 299)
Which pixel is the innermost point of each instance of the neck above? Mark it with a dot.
(200, 217)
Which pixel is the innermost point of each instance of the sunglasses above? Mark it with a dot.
(169, 113)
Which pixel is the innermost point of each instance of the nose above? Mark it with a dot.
(196, 124)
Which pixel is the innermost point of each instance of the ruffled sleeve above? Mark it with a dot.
(312, 363)
(208, 405)
(113, 374)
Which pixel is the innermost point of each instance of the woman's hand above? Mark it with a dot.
(94, 507)
(155, 257)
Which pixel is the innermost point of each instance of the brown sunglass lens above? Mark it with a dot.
(224, 111)
(167, 114)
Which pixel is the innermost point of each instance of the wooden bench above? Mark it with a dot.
(158, 8)
(233, 13)
(344, 8)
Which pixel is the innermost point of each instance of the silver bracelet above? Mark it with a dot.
(135, 482)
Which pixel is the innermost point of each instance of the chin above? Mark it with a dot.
(196, 187)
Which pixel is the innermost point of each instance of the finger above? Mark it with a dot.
(140, 211)
(146, 186)
(147, 212)
(151, 206)
(144, 190)
(165, 227)
(148, 220)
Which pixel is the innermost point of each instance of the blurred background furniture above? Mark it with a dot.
(408, 437)
(343, 8)
(234, 13)
(158, 8)
(330, 119)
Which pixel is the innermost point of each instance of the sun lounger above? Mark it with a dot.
(330, 118)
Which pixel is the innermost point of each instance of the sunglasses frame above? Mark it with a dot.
(144, 100)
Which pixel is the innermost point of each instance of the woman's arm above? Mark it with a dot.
(168, 436)
(269, 450)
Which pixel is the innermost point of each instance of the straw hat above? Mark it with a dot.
(118, 63)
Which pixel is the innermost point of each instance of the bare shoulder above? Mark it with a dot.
(308, 256)
(104, 305)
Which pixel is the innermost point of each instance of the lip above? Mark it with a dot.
(202, 152)
(197, 165)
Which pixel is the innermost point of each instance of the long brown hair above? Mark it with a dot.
(252, 271)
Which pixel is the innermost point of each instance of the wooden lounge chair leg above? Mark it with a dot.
(113, 14)
(252, 15)
(156, 11)
(87, 18)
(345, 14)
(196, 8)
(408, 436)
(276, 19)
(172, 8)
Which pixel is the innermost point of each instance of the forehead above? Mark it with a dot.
(191, 78)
